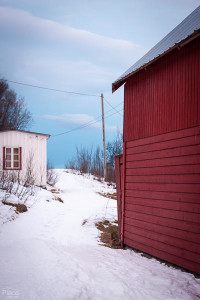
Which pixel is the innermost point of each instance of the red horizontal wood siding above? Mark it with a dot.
(164, 97)
(162, 196)
(159, 250)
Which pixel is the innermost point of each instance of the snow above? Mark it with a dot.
(46, 253)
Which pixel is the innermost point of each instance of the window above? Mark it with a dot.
(12, 158)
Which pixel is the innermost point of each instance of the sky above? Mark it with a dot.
(82, 47)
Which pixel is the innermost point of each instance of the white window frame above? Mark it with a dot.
(12, 167)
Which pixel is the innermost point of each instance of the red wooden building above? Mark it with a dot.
(158, 176)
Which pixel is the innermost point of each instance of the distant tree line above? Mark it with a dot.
(13, 111)
(89, 160)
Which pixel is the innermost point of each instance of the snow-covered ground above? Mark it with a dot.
(47, 253)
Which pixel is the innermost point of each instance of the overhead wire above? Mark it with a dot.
(88, 124)
(76, 93)
(52, 89)
(112, 106)
(62, 91)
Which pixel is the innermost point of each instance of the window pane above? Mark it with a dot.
(16, 150)
(8, 157)
(8, 150)
(16, 157)
(8, 164)
(16, 164)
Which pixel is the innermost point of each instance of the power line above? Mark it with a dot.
(91, 122)
(112, 106)
(62, 91)
(76, 93)
(86, 124)
(113, 114)
(79, 127)
(52, 89)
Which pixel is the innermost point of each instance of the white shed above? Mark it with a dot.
(25, 152)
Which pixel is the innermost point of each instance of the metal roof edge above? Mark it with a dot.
(182, 43)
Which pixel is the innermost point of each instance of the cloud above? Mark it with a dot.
(27, 28)
(44, 52)
(75, 120)
(48, 53)
(69, 75)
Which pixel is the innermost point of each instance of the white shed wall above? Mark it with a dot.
(34, 152)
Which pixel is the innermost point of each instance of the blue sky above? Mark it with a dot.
(80, 46)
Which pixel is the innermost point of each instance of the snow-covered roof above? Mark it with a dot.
(189, 27)
(47, 135)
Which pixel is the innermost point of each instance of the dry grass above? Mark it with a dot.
(55, 191)
(20, 208)
(109, 234)
(59, 199)
(84, 222)
(108, 195)
(99, 179)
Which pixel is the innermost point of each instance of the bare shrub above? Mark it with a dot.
(114, 148)
(89, 161)
(71, 164)
(110, 174)
(84, 158)
(52, 176)
(30, 176)
(97, 163)
(12, 182)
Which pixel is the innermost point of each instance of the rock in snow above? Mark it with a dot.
(53, 252)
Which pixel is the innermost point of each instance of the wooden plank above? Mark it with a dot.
(182, 262)
(179, 252)
(172, 205)
(169, 196)
(119, 189)
(119, 157)
(180, 178)
(165, 213)
(123, 193)
(166, 239)
(169, 170)
(178, 151)
(176, 187)
(188, 132)
(177, 233)
(171, 144)
(170, 161)
(184, 225)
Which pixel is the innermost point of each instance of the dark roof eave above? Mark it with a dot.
(182, 43)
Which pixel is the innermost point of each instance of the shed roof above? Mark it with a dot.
(47, 135)
(187, 29)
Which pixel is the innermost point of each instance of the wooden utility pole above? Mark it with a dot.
(104, 139)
